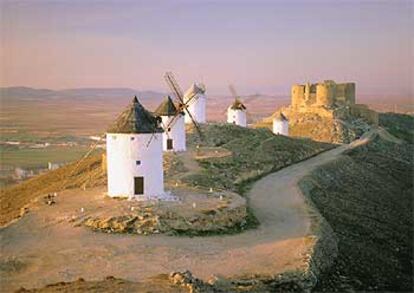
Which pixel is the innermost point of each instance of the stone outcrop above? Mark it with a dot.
(228, 216)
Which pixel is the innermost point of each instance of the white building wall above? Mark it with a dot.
(281, 127)
(122, 153)
(237, 117)
(176, 133)
(197, 108)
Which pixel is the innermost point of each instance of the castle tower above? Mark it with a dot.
(134, 155)
(298, 95)
(350, 93)
(173, 138)
(236, 113)
(307, 91)
(280, 124)
(325, 93)
(195, 99)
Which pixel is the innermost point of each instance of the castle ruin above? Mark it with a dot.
(327, 111)
(327, 93)
(331, 100)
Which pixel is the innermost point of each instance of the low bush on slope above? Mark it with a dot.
(399, 125)
(366, 196)
(255, 152)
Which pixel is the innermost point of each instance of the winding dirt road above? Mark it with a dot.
(43, 248)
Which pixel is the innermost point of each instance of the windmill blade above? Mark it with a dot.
(190, 100)
(196, 125)
(151, 138)
(175, 88)
(233, 91)
(171, 122)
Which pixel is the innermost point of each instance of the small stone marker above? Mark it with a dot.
(194, 205)
(82, 210)
(211, 189)
(221, 197)
(132, 209)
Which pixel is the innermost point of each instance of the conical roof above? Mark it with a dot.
(136, 119)
(279, 116)
(238, 105)
(166, 108)
(195, 89)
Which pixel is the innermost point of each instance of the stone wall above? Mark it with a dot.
(325, 93)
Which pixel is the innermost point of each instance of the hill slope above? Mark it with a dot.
(366, 196)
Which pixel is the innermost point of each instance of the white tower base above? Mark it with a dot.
(197, 108)
(236, 116)
(135, 165)
(173, 139)
(281, 127)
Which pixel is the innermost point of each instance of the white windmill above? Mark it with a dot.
(195, 99)
(236, 112)
(182, 106)
(173, 123)
(134, 155)
(280, 124)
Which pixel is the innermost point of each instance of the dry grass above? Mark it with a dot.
(86, 173)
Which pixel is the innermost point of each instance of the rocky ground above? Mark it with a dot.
(191, 214)
(367, 198)
(328, 130)
(161, 283)
(321, 128)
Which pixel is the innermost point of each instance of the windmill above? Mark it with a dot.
(134, 137)
(134, 154)
(173, 123)
(181, 105)
(236, 112)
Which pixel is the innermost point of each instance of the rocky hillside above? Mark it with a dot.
(320, 128)
(254, 153)
(326, 129)
(366, 196)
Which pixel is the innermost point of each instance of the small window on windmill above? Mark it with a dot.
(138, 163)
(169, 129)
(114, 137)
(132, 138)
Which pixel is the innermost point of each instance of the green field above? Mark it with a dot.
(37, 158)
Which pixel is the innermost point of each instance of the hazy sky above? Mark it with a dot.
(259, 46)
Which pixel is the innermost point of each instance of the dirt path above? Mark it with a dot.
(43, 247)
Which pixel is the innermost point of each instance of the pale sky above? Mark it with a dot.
(259, 46)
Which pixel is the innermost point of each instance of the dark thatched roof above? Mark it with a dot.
(166, 108)
(136, 119)
(238, 105)
(279, 116)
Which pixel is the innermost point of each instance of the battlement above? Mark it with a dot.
(327, 93)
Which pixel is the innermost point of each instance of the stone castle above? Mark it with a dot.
(327, 93)
(327, 111)
(330, 99)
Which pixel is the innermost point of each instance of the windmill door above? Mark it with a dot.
(169, 144)
(138, 185)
